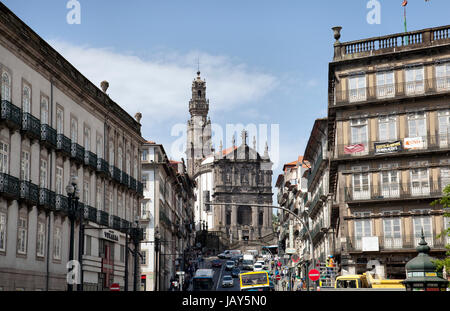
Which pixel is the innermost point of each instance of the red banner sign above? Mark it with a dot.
(354, 148)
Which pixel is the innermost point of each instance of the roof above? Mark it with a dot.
(296, 163)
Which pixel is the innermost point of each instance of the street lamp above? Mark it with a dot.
(74, 195)
(157, 242)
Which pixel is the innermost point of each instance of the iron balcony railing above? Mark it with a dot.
(133, 184)
(315, 168)
(103, 218)
(29, 192)
(31, 126)
(9, 186)
(140, 188)
(63, 145)
(62, 203)
(48, 136)
(90, 213)
(11, 115)
(408, 145)
(115, 173)
(116, 222)
(393, 191)
(397, 241)
(102, 167)
(90, 159)
(77, 153)
(317, 201)
(125, 225)
(124, 179)
(47, 198)
(393, 91)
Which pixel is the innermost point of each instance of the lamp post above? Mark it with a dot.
(74, 194)
(157, 243)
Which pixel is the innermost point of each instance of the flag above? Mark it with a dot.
(405, 2)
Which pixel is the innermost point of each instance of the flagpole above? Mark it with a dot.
(406, 28)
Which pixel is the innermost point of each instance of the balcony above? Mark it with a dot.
(29, 193)
(133, 184)
(395, 91)
(47, 198)
(115, 224)
(115, 173)
(77, 153)
(140, 188)
(124, 179)
(317, 202)
(317, 232)
(125, 225)
(393, 192)
(90, 159)
(48, 136)
(408, 145)
(62, 203)
(31, 126)
(10, 115)
(103, 218)
(9, 186)
(315, 169)
(102, 167)
(397, 242)
(63, 145)
(90, 213)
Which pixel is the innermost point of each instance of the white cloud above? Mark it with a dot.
(160, 86)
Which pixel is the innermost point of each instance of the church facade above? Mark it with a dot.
(238, 175)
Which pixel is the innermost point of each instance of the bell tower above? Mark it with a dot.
(198, 127)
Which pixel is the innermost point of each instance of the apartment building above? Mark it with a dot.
(167, 217)
(389, 143)
(55, 124)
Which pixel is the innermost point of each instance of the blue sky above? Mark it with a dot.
(265, 62)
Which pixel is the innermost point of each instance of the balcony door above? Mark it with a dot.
(423, 222)
(417, 127)
(385, 84)
(443, 77)
(361, 186)
(363, 228)
(390, 186)
(357, 88)
(392, 232)
(444, 128)
(415, 81)
(420, 182)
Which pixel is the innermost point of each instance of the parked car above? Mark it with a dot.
(216, 263)
(236, 260)
(235, 272)
(227, 281)
(230, 265)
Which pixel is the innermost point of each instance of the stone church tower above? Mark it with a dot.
(199, 127)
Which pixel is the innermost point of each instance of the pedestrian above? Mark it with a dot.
(283, 284)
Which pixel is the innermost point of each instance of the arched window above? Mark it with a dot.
(87, 139)
(6, 87)
(199, 93)
(59, 121)
(99, 147)
(26, 99)
(74, 131)
(44, 110)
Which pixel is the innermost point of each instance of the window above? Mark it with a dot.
(363, 228)
(57, 244)
(22, 236)
(446, 227)
(2, 232)
(135, 167)
(119, 205)
(392, 231)
(119, 158)
(359, 134)
(6, 87)
(144, 258)
(423, 222)
(86, 193)
(99, 147)
(59, 180)
(414, 80)
(74, 131)
(390, 186)
(111, 152)
(144, 181)
(43, 174)
(59, 121)
(420, 182)
(361, 184)
(4, 152)
(87, 139)
(25, 166)
(110, 201)
(445, 177)
(88, 248)
(387, 128)
(26, 99)
(40, 247)
(128, 164)
(44, 110)
(417, 126)
(144, 155)
(444, 128)
(122, 253)
(443, 76)
(357, 88)
(99, 204)
(385, 84)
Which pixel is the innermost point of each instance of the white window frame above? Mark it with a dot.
(26, 99)
(393, 238)
(74, 130)
(444, 177)
(87, 139)
(59, 121)
(420, 181)
(443, 77)
(385, 84)
(120, 158)
(415, 80)
(359, 234)
(391, 188)
(22, 235)
(419, 129)
(358, 125)
(99, 147)
(358, 175)
(423, 221)
(25, 166)
(3, 231)
(40, 243)
(4, 158)
(59, 179)
(444, 128)
(43, 174)
(44, 110)
(6, 86)
(57, 243)
(99, 202)
(391, 133)
(357, 88)
(86, 192)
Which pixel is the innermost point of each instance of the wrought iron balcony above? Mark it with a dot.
(115, 173)
(116, 222)
(140, 188)
(9, 186)
(103, 218)
(315, 168)
(11, 115)
(133, 184)
(31, 126)
(90, 213)
(393, 192)
(124, 180)
(125, 225)
(102, 167)
(90, 159)
(62, 203)
(77, 153)
(48, 136)
(63, 145)
(398, 241)
(29, 192)
(47, 198)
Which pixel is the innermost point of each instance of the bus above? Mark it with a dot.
(203, 280)
(254, 281)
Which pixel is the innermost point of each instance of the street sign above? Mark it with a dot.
(114, 287)
(278, 277)
(291, 251)
(314, 275)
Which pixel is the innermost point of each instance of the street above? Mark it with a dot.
(219, 273)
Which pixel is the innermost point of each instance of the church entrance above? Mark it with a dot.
(244, 215)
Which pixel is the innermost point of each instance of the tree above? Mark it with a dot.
(445, 202)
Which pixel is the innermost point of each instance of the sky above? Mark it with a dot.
(265, 62)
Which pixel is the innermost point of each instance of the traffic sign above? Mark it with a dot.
(314, 275)
(295, 258)
(114, 287)
(278, 277)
